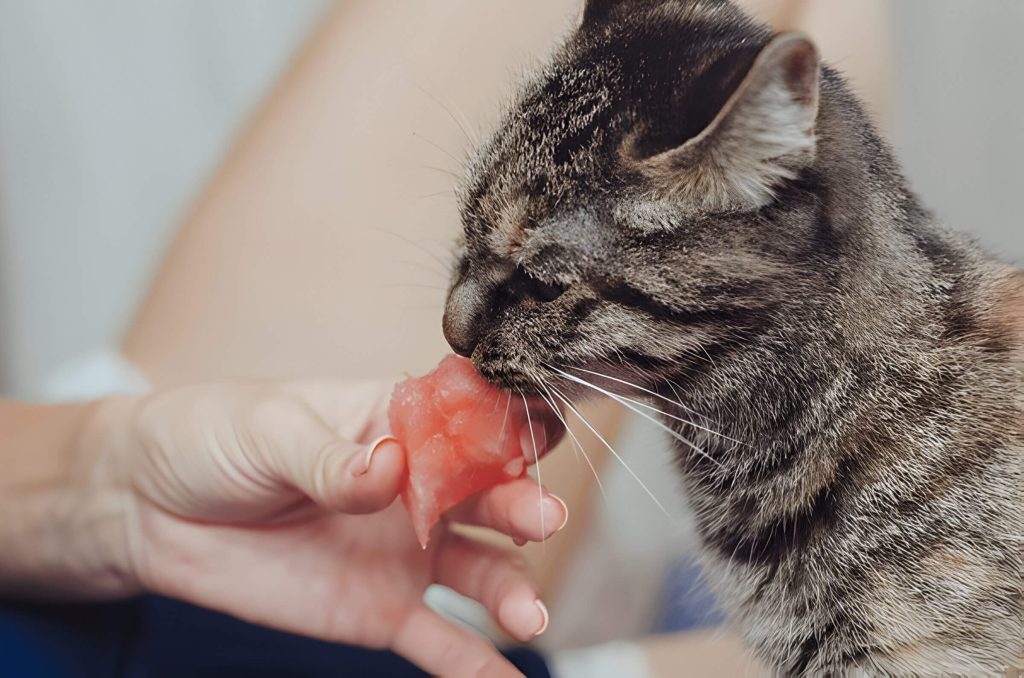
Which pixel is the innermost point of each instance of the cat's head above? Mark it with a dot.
(642, 198)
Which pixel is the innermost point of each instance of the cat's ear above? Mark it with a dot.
(596, 11)
(599, 10)
(763, 135)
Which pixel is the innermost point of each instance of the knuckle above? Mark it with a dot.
(273, 411)
(328, 484)
(518, 563)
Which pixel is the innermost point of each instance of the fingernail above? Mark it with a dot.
(526, 616)
(533, 439)
(545, 618)
(519, 541)
(364, 466)
(553, 505)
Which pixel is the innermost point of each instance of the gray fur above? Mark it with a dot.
(683, 202)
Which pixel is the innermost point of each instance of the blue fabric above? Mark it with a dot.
(155, 637)
(687, 604)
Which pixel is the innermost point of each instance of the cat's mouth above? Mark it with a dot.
(561, 384)
(529, 380)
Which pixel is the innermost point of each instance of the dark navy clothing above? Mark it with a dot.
(154, 637)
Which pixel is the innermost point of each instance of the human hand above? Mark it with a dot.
(242, 498)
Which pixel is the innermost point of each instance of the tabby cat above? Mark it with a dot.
(702, 213)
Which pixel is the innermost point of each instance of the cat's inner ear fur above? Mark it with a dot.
(763, 135)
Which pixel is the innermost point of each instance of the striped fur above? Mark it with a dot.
(683, 201)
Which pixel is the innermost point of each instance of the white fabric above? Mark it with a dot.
(93, 376)
(612, 660)
(463, 611)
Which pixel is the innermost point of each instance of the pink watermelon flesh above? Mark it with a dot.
(461, 436)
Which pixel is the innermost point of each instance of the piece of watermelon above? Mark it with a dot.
(461, 436)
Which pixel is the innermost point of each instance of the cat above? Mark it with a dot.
(700, 211)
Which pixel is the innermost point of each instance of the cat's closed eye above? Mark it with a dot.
(525, 286)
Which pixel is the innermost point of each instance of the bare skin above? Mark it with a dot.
(208, 493)
(324, 190)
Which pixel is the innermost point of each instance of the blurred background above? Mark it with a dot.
(114, 113)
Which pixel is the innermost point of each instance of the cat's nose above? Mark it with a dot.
(462, 342)
(463, 316)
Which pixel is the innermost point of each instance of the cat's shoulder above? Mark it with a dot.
(1010, 308)
(1010, 313)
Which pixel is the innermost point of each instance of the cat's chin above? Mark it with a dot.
(532, 381)
(509, 377)
(574, 383)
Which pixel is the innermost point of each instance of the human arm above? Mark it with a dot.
(240, 497)
(52, 491)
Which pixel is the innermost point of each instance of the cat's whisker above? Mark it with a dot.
(675, 392)
(678, 403)
(643, 414)
(469, 125)
(442, 170)
(706, 418)
(577, 446)
(504, 420)
(682, 420)
(536, 464)
(446, 265)
(420, 286)
(463, 125)
(659, 411)
(425, 267)
(437, 194)
(549, 401)
(438, 147)
(616, 455)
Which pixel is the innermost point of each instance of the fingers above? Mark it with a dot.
(343, 476)
(441, 648)
(498, 580)
(356, 410)
(370, 479)
(515, 509)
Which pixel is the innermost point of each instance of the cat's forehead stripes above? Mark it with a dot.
(542, 149)
(560, 140)
(509, 229)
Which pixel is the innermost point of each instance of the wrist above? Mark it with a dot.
(66, 529)
(106, 541)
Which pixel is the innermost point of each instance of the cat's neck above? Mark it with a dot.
(799, 429)
(1011, 307)
(800, 407)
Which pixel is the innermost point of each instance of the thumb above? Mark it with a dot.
(341, 475)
